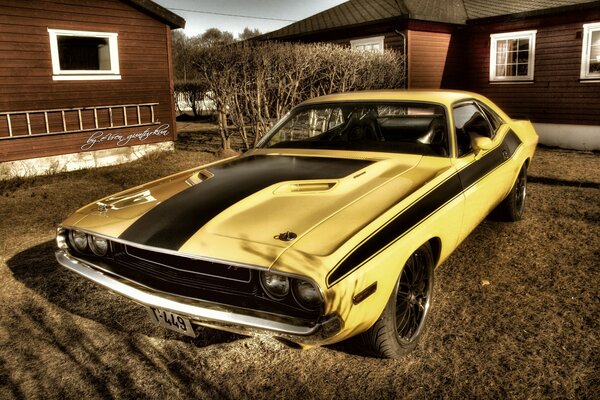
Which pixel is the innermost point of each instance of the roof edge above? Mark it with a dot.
(265, 36)
(159, 12)
(535, 13)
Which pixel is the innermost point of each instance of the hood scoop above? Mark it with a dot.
(198, 177)
(305, 187)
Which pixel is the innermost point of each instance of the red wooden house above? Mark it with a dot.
(83, 83)
(537, 59)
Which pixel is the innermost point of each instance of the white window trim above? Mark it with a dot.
(493, 50)
(68, 75)
(585, 51)
(370, 40)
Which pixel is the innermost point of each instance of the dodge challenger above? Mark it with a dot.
(331, 228)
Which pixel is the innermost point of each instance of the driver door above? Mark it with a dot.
(483, 173)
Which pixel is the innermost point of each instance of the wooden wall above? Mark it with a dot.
(556, 95)
(427, 57)
(26, 69)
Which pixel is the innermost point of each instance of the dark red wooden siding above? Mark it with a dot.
(26, 68)
(556, 95)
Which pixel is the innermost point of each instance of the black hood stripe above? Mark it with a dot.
(171, 223)
(424, 207)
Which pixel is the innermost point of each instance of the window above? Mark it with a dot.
(373, 44)
(493, 118)
(512, 56)
(590, 53)
(468, 122)
(82, 55)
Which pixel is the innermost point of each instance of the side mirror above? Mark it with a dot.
(482, 143)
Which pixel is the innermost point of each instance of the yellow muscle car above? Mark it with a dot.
(331, 228)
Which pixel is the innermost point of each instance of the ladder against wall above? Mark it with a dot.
(18, 124)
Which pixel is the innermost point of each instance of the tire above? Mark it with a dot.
(512, 207)
(398, 329)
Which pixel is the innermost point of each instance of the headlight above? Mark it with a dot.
(275, 285)
(99, 246)
(78, 240)
(306, 293)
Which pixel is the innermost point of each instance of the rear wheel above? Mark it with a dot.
(397, 332)
(512, 207)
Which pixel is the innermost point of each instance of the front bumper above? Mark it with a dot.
(205, 313)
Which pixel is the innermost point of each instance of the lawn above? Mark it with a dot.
(515, 312)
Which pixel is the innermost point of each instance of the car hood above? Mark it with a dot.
(251, 209)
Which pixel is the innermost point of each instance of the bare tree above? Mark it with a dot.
(249, 33)
(257, 83)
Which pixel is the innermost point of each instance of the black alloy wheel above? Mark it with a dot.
(400, 326)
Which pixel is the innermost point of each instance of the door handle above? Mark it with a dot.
(505, 154)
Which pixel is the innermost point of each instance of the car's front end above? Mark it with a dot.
(215, 293)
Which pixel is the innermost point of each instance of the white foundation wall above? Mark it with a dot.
(76, 161)
(577, 137)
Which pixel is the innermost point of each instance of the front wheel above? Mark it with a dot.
(397, 332)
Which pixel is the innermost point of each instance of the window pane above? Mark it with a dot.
(523, 57)
(501, 58)
(523, 44)
(500, 70)
(522, 70)
(468, 121)
(83, 53)
(510, 70)
(595, 52)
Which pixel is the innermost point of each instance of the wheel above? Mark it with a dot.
(400, 326)
(512, 207)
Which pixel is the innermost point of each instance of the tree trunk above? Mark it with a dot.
(225, 142)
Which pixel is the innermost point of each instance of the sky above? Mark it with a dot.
(264, 15)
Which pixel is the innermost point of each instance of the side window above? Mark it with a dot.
(493, 118)
(84, 55)
(372, 44)
(590, 51)
(468, 122)
(512, 56)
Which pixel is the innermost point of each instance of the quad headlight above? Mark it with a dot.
(306, 293)
(83, 243)
(301, 291)
(98, 245)
(277, 286)
(78, 240)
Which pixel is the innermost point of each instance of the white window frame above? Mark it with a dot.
(495, 38)
(586, 48)
(67, 75)
(375, 40)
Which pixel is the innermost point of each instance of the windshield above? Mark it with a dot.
(401, 127)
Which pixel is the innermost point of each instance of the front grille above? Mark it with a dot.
(180, 267)
(196, 279)
(160, 269)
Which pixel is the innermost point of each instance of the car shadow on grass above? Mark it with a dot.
(38, 269)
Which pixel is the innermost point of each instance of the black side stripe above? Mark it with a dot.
(171, 223)
(424, 207)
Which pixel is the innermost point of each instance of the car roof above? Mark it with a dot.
(446, 97)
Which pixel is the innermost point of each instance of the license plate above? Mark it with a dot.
(172, 321)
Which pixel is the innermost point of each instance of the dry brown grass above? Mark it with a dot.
(531, 333)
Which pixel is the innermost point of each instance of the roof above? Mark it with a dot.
(438, 96)
(159, 12)
(358, 12)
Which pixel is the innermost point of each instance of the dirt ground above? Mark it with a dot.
(532, 332)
